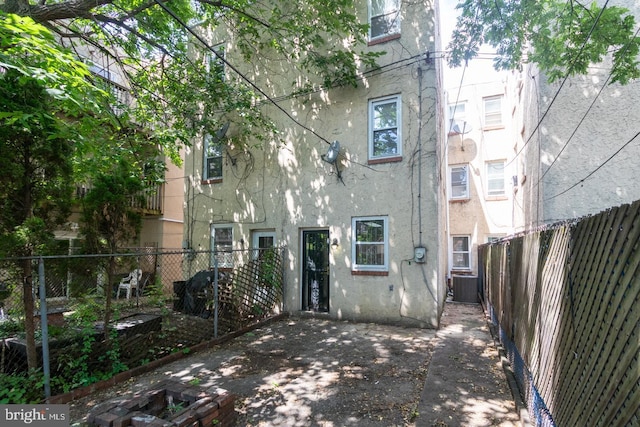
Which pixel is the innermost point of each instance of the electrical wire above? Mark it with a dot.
(626, 47)
(596, 169)
(555, 96)
(235, 70)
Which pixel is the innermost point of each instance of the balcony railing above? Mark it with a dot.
(148, 202)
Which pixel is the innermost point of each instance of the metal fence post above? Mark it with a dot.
(45, 329)
(215, 298)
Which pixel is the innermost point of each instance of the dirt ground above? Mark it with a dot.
(317, 372)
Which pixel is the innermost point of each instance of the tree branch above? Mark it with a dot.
(48, 12)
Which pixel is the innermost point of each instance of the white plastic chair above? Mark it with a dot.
(130, 282)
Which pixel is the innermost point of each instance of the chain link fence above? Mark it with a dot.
(153, 303)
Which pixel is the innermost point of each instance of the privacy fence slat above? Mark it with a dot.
(566, 300)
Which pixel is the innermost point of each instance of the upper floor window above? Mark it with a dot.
(495, 178)
(457, 114)
(215, 63)
(492, 111)
(222, 245)
(212, 158)
(385, 139)
(459, 182)
(461, 252)
(370, 248)
(384, 18)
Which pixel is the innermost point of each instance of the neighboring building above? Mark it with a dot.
(579, 148)
(481, 138)
(162, 212)
(364, 234)
(482, 174)
(568, 149)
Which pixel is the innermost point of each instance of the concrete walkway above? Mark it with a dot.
(466, 384)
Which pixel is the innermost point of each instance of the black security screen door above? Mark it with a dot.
(315, 272)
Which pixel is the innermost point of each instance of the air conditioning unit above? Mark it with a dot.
(465, 289)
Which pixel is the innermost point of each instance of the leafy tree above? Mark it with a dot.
(50, 118)
(562, 37)
(109, 219)
(153, 44)
(36, 179)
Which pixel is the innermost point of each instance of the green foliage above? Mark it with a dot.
(76, 366)
(108, 215)
(21, 388)
(562, 38)
(158, 57)
(35, 186)
(9, 328)
(155, 293)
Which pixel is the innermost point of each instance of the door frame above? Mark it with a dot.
(302, 265)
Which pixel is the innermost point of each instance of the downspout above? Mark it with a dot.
(420, 156)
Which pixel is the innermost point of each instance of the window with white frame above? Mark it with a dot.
(370, 248)
(459, 182)
(495, 178)
(492, 111)
(222, 245)
(212, 158)
(384, 18)
(215, 63)
(385, 121)
(461, 252)
(457, 114)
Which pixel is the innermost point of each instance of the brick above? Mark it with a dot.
(142, 420)
(135, 404)
(118, 411)
(201, 402)
(123, 421)
(206, 418)
(192, 394)
(105, 419)
(186, 419)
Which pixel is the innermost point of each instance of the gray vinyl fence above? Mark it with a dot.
(177, 300)
(566, 302)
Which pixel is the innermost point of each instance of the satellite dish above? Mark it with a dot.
(462, 128)
(332, 152)
(220, 133)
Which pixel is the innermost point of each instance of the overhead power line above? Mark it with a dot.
(555, 96)
(245, 78)
(596, 169)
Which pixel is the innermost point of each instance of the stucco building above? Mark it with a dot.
(364, 232)
(482, 174)
(579, 145)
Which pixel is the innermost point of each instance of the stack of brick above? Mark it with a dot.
(168, 404)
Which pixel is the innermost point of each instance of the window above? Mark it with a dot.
(384, 18)
(493, 111)
(222, 245)
(461, 252)
(212, 158)
(457, 114)
(384, 128)
(495, 178)
(459, 182)
(215, 63)
(370, 246)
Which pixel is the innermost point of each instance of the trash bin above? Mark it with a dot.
(179, 289)
(465, 289)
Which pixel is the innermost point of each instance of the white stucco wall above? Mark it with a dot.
(286, 187)
(573, 168)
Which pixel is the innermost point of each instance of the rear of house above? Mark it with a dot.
(362, 219)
